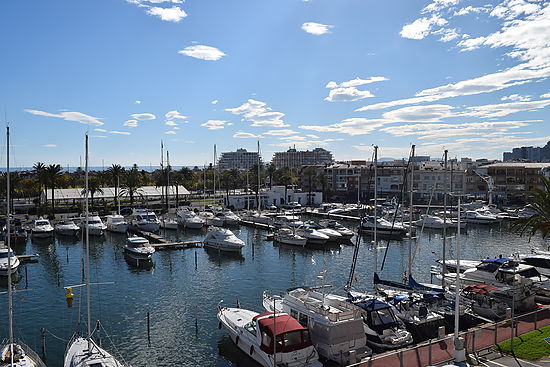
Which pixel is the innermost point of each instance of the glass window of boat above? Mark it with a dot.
(150, 217)
(303, 319)
(382, 316)
(42, 223)
(488, 267)
(294, 314)
(4, 255)
(266, 340)
(251, 327)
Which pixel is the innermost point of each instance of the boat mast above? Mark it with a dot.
(10, 300)
(444, 222)
(411, 211)
(167, 182)
(258, 192)
(87, 240)
(458, 342)
(204, 189)
(375, 208)
(161, 170)
(214, 169)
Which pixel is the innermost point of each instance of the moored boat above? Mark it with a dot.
(42, 228)
(116, 223)
(222, 239)
(287, 237)
(67, 228)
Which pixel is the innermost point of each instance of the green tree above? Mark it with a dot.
(132, 184)
(94, 186)
(40, 171)
(539, 202)
(311, 179)
(116, 171)
(52, 173)
(271, 169)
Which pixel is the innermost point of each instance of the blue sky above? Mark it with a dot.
(467, 76)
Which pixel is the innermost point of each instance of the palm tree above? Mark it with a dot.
(39, 169)
(116, 171)
(52, 175)
(539, 202)
(94, 186)
(132, 184)
(271, 169)
(310, 174)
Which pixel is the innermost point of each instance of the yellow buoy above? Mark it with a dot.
(69, 294)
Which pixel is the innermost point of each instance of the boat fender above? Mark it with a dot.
(237, 340)
(69, 294)
(219, 325)
(251, 350)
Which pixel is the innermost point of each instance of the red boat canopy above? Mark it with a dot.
(479, 288)
(290, 334)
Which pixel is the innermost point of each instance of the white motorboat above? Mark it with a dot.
(95, 224)
(432, 221)
(67, 228)
(287, 237)
(383, 329)
(450, 264)
(229, 218)
(256, 217)
(255, 334)
(222, 239)
(538, 259)
(84, 352)
(287, 221)
(189, 219)
(336, 326)
(210, 219)
(383, 227)
(139, 248)
(477, 217)
(344, 231)
(6, 253)
(312, 236)
(168, 223)
(145, 220)
(332, 234)
(116, 223)
(493, 302)
(42, 228)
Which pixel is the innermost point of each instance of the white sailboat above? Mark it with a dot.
(14, 354)
(84, 351)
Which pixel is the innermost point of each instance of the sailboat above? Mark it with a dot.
(166, 221)
(14, 354)
(84, 351)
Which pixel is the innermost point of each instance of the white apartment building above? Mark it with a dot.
(293, 158)
(241, 160)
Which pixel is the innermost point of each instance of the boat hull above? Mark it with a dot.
(42, 234)
(222, 247)
(118, 228)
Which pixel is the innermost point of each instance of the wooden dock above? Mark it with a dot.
(268, 227)
(333, 216)
(30, 258)
(161, 243)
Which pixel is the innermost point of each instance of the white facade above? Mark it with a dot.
(241, 160)
(274, 196)
(293, 158)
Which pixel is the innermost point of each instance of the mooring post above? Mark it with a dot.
(148, 328)
(26, 278)
(196, 261)
(430, 352)
(43, 338)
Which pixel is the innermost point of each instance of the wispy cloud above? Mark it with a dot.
(138, 101)
(316, 28)
(170, 132)
(214, 101)
(173, 115)
(214, 124)
(79, 117)
(173, 14)
(50, 145)
(257, 113)
(347, 91)
(143, 116)
(131, 123)
(421, 27)
(281, 132)
(113, 132)
(203, 52)
(246, 135)
(357, 82)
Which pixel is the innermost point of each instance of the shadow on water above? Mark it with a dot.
(223, 257)
(136, 265)
(230, 351)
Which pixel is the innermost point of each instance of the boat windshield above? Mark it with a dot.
(148, 217)
(287, 342)
(117, 220)
(93, 221)
(382, 317)
(4, 255)
(42, 222)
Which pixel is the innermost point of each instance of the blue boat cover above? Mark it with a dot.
(499, 260)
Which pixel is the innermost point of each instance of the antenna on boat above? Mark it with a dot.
(10, 300)
(375, 209)
(444, 249)
(411, 210)
(87, 240)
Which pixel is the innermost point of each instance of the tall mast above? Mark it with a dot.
(214, 169)
(10, 301)
(445, 182)
(411, 210)
(167, 181)
(375, 208)
(204, 189)
(258, 192)
(162, 170)
(87, 239)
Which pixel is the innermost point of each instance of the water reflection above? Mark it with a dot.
(230, 351)
(136, 265)
(223, 257)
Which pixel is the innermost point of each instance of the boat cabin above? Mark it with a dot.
(289, 334)
(378, 315)
(508, 271)
(138, 242)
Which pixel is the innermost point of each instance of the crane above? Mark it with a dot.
(490, 185)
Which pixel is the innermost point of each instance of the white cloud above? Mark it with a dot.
(79, 117)
(113, 132)
(511, 9)
(429, 113)
(170, 132)
(214, 124)
(173, 14)
(504, 109)
(545, 95)
(357, 82)
(245, 135)
(50, 145)
(281, 132)
(170, 123)
(470, 9)
(203, 52)
(351, 126)
(438, 5)
(516, 97)
(257, 113)
(316, 28)
(302, 142)
(143, 116)
(138, 101)
(214, 101)
(421, 27)
(172, 115)
(447, 34)
(347, 94)
(131, 123)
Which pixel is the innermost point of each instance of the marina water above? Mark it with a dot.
(182, 289)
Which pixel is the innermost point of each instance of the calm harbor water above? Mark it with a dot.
(182, 298)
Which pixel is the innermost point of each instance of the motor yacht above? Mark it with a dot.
(287, 221)
(42, 228)
(116, 223)
(332, 234)
(145, 220)
(312, 236)
(95, 225)
(383, 227)
(14, 261)
(229, 218)
(432, 221)
(344, 231)
(254, 334)
(336, 326)
(189, 219)
(67, 228)
(384, 330)
(168, 223)
(222, 239)
(256, 217)
(477, 217)
(287, 236)
(492, 302)
(139, 248)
